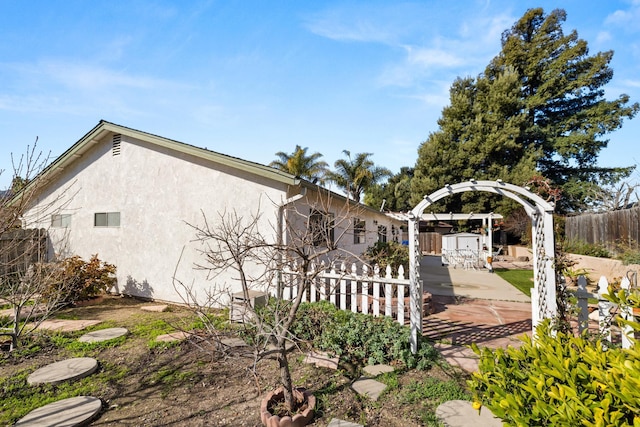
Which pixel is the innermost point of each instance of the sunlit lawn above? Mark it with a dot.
(520, 279)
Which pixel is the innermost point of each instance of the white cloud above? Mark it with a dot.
(626, 20)
(360, 31)
(631, 83)
(92, 77)
(432, 57)
(77, 88)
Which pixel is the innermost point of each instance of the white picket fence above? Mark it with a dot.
(367, 292)
(606, 311)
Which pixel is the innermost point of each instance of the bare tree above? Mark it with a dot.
(25, 278)
(622, 195)
(311, 232)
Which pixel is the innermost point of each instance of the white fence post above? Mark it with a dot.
(604, 312)
(605, 307)
(376, 291)
(583, 304)
(313, 286)
(365, 287)
(627, 314)
(354, 289)
(401, 296)
(349, 290)
(388, 293)
(343, 287)
(332, 285)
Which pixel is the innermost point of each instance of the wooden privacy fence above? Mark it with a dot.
(368, 292)
(606, 311)
(621, 226)
(20, 248)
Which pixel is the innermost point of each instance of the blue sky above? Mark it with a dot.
(250, 78)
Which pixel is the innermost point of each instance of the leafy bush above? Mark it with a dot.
(561, 381)
(579, 247)
(388, 253)
(359, 338)
(82, 280)
(630, 257)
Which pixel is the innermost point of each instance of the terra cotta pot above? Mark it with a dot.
(298, 420)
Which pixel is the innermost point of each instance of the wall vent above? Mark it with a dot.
(117, 138)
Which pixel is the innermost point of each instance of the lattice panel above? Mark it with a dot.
(540, 265)
(417, 252)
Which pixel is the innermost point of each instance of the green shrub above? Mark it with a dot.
(561, 381)
(630, 256)
(359, 338)
(579, 247)
(388, 253)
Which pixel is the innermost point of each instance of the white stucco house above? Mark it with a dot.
(129, 197)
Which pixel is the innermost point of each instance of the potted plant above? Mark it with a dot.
(237, 243)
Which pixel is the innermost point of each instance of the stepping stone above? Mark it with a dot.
(233, 342)
(155, 308)
(368, 387)
(103, 335)
(341, 423)
(288, 346)
(462, 357)
(70, 412)
(460, 413)
(321, 360)
(63, 325)
(173, 336)
(70, 369)
(375, 370)
(26, 312)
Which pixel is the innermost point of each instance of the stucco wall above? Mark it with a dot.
(159, 192)
(157, 195)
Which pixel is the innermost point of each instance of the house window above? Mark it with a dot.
(321, 227)
(382, 233)
(359, 229)
(106, 219)
(61, 220)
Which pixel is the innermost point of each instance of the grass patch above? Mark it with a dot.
(519, 279)
(151, 329)
(170, 378)
(430, 394)
(18, 398)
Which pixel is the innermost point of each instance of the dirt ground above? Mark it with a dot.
(182, 385)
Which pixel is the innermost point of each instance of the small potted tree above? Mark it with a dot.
(237, 243)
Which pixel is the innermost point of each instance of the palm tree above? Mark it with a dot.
(357, 175)
(300, 164)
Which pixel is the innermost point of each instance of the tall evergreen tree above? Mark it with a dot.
(476, 140)
(356, 175)
(393, 195)
(300, 164)
(545, 114)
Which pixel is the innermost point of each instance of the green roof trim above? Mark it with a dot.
(104, 127)
(99, 130)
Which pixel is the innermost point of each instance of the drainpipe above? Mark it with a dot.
(281, 237)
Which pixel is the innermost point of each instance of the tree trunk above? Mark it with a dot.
(285, 376)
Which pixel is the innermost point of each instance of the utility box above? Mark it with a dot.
(239, 311)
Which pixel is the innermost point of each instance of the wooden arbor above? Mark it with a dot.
(543, 297)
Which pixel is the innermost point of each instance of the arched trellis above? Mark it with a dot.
(543, 296)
